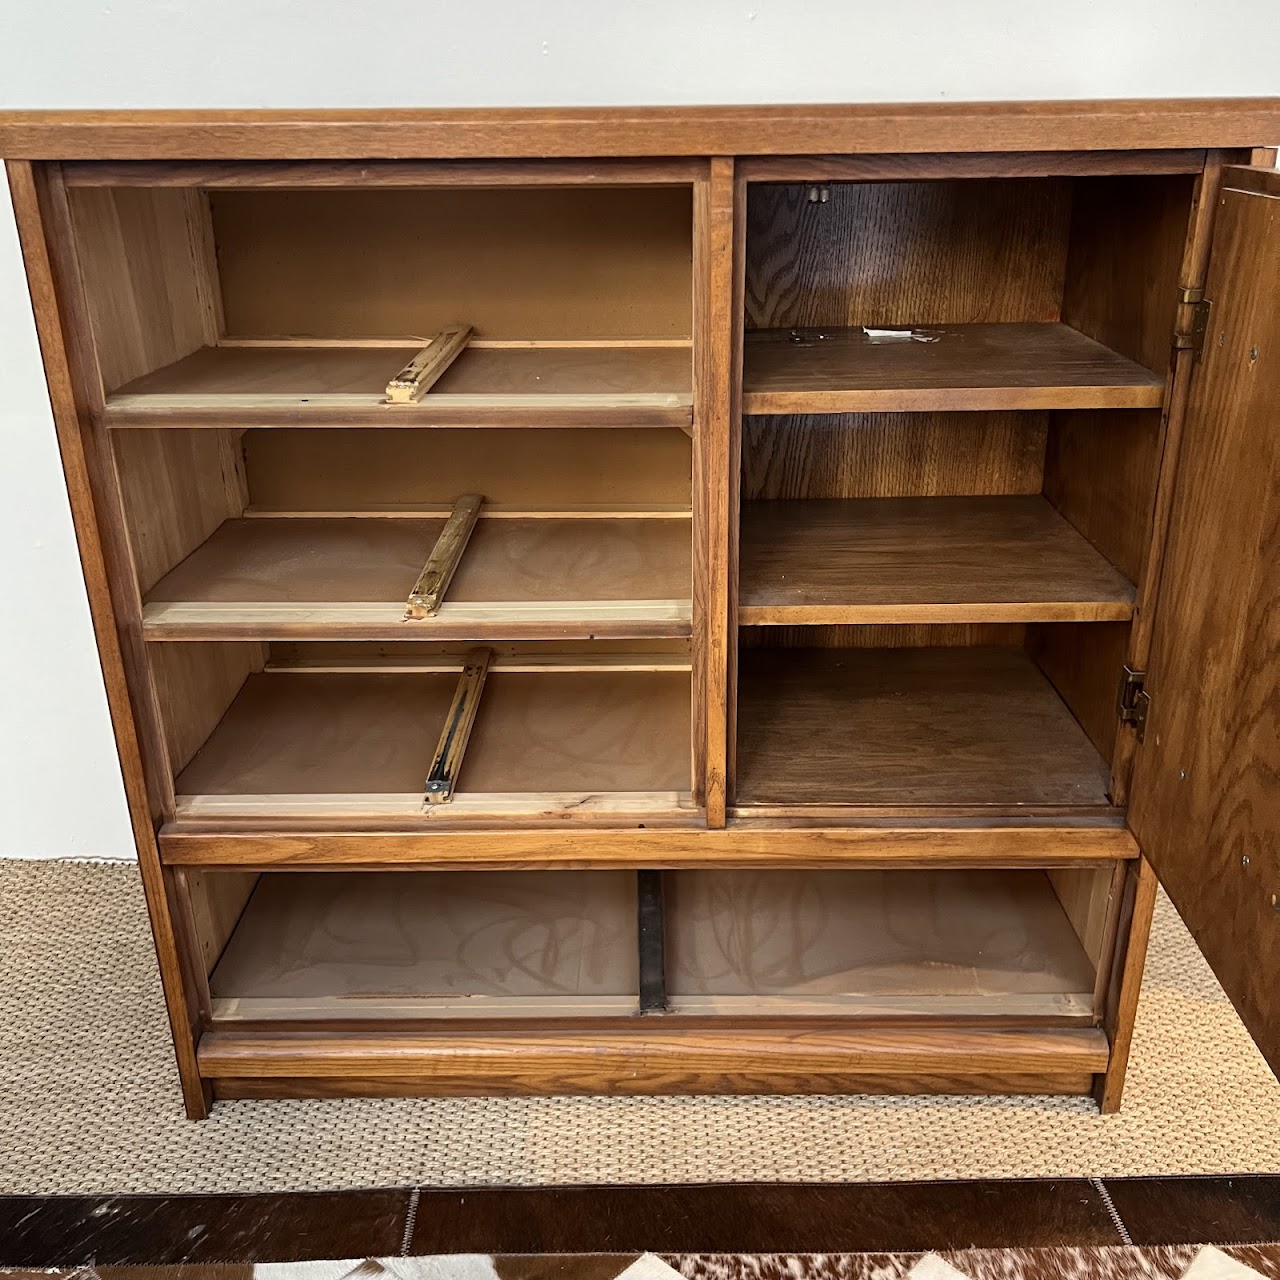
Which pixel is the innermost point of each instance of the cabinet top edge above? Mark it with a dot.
(586, 132)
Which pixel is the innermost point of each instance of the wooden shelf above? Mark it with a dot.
(348, 577)
(362, 946)
(974, 367)
(980, 727)
(332, 746)
(295, 383)
(873, 944)
(922, 560)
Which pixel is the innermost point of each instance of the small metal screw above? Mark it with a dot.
(1253, 354)
(819, 195)
(1244, 861)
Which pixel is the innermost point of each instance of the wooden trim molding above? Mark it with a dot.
(649, 1059)
(560, 132)
(982, 844)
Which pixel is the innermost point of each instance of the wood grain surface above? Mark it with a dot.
(910, 560)
(892, 455)
(900, 253)
(1005, 366)
(651, 1058)
(908, 726)
(906, 839)
(1065, 125)
(44, 230)
(1204, 798)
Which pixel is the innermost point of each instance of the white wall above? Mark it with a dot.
(60, 791)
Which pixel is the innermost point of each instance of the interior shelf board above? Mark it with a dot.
(338, 577)
(922, 560)
(357, 946)
(873, 944)
(308, 385)
(968, 367)
(912, 727)
(346, 745)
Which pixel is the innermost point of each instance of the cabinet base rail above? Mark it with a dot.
(654, 1060)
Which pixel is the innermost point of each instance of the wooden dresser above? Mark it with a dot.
(676, 600)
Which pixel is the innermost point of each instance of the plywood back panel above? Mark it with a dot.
(892, 455)
(343, 469)
(456, 943)
(176, 487)
(897, 253)
(513, 262)
(146, 256)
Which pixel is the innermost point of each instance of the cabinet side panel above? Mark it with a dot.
(195, 684)
(48, 263)
(1127, 236)
(176, 487)
(149, 276)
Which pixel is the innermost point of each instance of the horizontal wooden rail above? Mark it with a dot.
(658, 1056)
(647, 842)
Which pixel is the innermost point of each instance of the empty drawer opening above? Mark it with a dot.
(885, 943)
(355, 732)
(385, 945)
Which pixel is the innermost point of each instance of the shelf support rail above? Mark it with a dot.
(447, 761)
(428, 366)
(652, 939)
(428, 592)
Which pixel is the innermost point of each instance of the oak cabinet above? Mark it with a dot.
(679, 600)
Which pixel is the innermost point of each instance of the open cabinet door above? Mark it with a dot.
(1205, 802)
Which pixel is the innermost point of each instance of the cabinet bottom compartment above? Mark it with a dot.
(688, 948)
(408, 944)
(958, 944)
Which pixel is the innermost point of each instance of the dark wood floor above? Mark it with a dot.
(67, 1231)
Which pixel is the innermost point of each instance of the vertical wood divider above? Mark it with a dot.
(40, 207)
(716, 393)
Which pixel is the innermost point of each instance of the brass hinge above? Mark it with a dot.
(1135, 701)
(1193, 320)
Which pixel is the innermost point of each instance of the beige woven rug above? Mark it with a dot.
(89, 1099)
